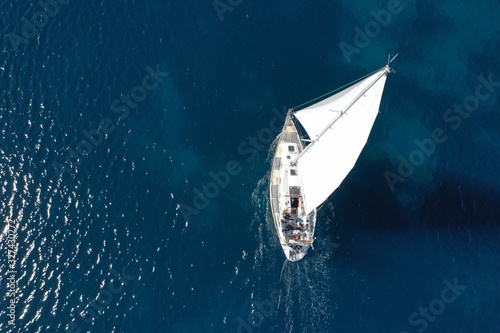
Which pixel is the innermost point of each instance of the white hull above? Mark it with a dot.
(294, 227)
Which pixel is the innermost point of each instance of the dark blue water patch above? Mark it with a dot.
(379, 255)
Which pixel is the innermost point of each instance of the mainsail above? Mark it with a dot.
(339, 127)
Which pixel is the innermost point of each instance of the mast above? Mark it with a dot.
(386, 70)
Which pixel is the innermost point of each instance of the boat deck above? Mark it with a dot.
(295, 229)
(288, 135)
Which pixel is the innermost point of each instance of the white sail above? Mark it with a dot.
(339, 127)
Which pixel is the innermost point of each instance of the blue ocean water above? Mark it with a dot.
(115, 116)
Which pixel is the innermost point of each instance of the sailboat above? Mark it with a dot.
(308, 167)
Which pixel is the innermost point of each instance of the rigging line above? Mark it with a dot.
(393, 58)
(333, 91)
